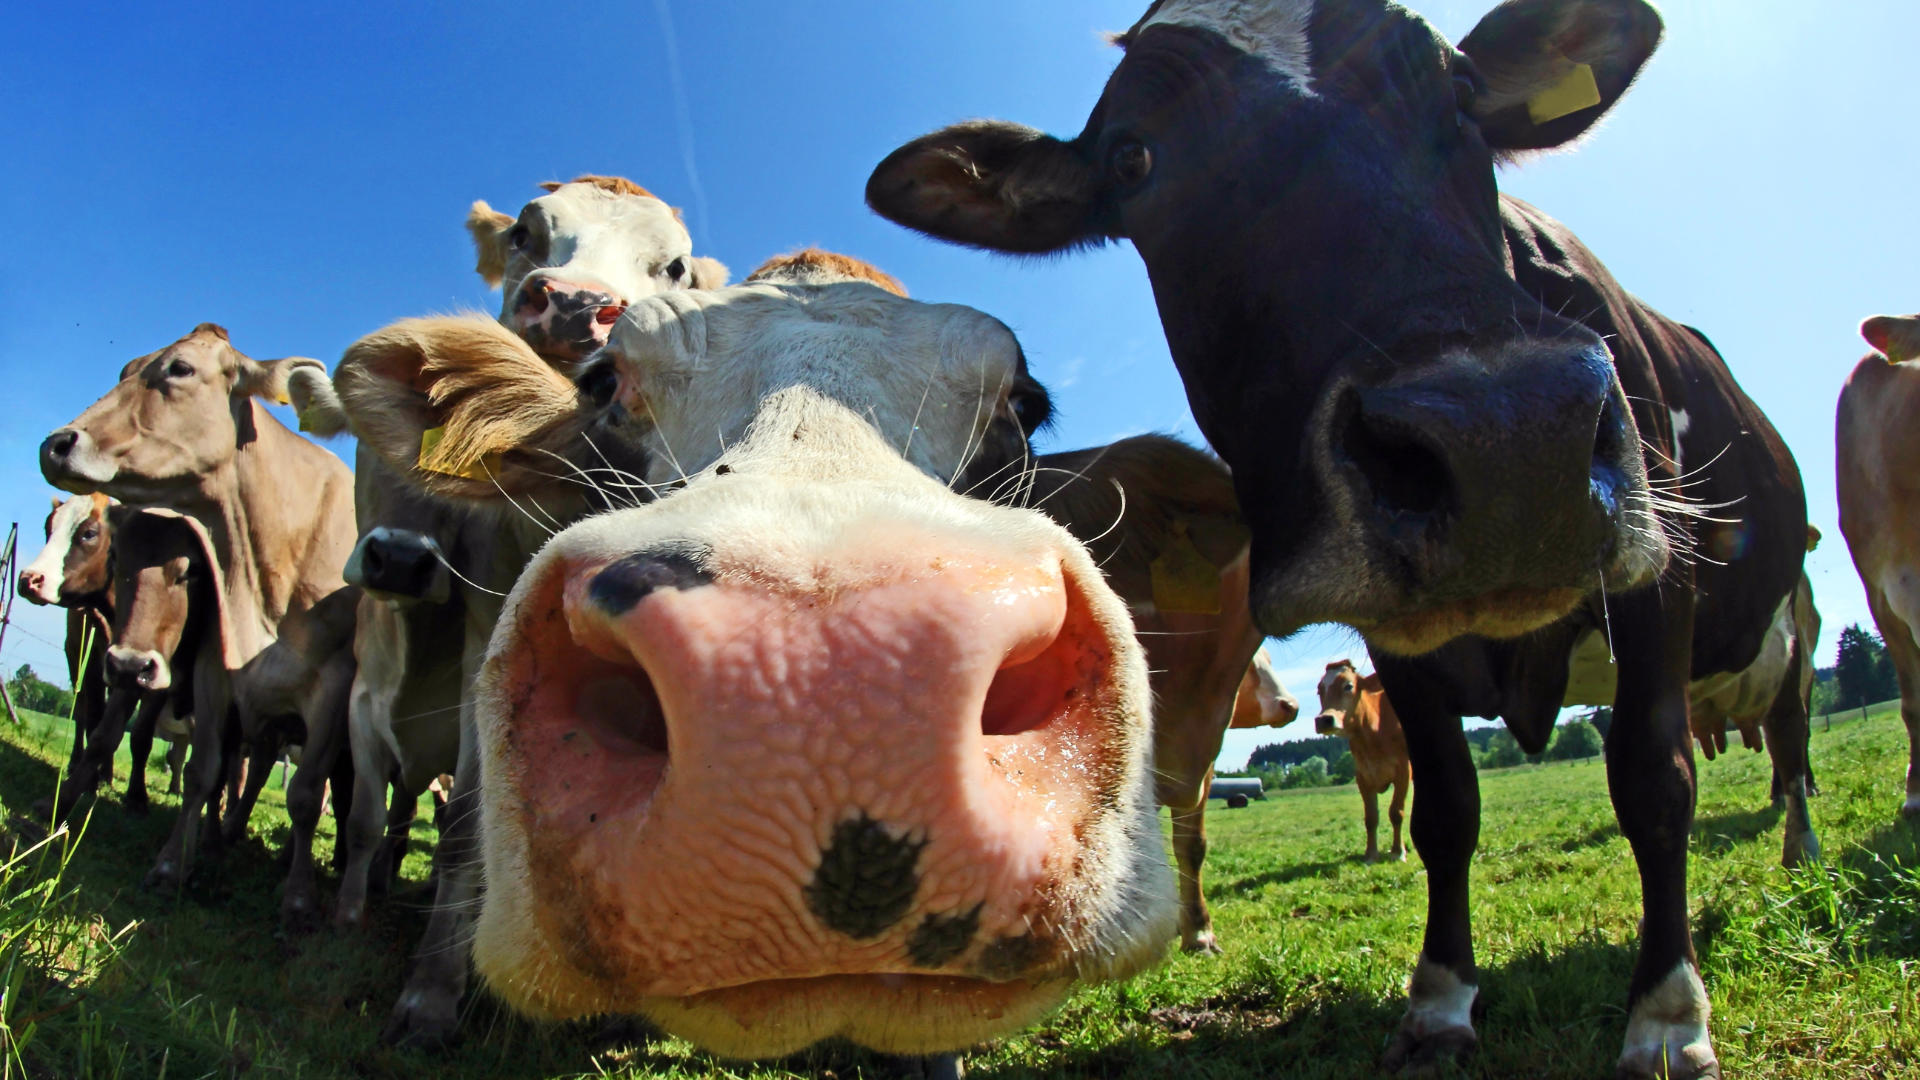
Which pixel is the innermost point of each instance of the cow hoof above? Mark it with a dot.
(1370, 858)
(349, 916)
(299, 912)
(1413, 1054)
(1667, 1036)
(1654, 1065)
(136, 804)
(1800, 848)
(1202, 943)
(938, 1067)
(1397, 855)
(1911, 808)
(165, 875)
(422, 1021)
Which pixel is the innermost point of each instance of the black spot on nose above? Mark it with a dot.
(631, 579)
(1010, 957)
(867, 878)
(942, 937)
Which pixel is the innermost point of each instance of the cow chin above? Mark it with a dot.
(1507, 613)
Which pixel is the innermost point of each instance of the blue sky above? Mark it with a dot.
(300, 175)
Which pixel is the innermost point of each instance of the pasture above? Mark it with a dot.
(1813, 974)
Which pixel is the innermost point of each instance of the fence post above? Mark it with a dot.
(9, 557)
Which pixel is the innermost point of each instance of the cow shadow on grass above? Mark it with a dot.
(1716, 833)
(1284, 875)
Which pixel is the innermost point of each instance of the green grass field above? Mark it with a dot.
(1813, 974)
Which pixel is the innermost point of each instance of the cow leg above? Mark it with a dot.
(176, 764)
(100, 744)
(140, 748)
(1650, 776)
(215, 728)
(372, 759)
(1395, 813)
(401, 812)
(1787, 738)
(428, 1011)
(320, 760)
(1370, 811)
(1190, 854)
(233, 825)
(1905, 655)
(1446, 828)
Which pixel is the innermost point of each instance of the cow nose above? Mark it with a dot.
(31, 583)
(1448, 466)
(1324, 724)
(394, 561)
(58, 446)
(565, 318)
(143, 667)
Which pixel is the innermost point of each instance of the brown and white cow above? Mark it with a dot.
(1355, 707)
(1875, 450)
(172, 600)
(183, 429)
(73, 571)
(1448, 425)
(811, 612)
(567, 266)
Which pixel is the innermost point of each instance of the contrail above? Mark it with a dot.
(683, 118)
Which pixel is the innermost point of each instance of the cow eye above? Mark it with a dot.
(1129, 162)
(87, 535)
(180, 369)
(518, 236)
(677, 269)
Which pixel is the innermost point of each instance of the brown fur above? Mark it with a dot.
(613, 185)
(1370, 725)
(814, 266)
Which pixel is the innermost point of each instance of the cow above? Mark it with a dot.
(73, 571)
(1874, 451)
(812, 499)
(1355, 708)
(1449, 426)
(183, 429)
(567, 267)
(173, 604)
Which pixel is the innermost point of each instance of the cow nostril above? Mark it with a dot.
(60, 443)
(1610, 446)
(609, 314)
(534, 298)
(622, 708)
(1041, 681)
(1406, 476)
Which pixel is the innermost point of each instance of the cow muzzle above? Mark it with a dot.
(1326, 723)
(70, 461)
(562, 319)
(33, 588)
(143, 668)
(400, 564)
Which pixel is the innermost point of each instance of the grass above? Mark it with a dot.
(1813, 974)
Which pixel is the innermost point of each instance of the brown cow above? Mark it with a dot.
(1875, 450)
(182, 429)
(1356, 708)
(73, 571)
(173, 605)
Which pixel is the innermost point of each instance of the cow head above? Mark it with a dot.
(174, 421)
(1311, 186)
(1262, 701)
(577, 256)
(1339, 693)
(74, 565)
(167, 584)
(802, 743)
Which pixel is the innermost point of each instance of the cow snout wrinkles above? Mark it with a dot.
(1471, 475)
(142, 667)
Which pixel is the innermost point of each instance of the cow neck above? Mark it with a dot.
(270, 513)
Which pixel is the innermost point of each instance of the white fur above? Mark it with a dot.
(1667, 1033)
(51, 563)
(1438, 1001)
(927, 377)
(1682, 423)
(1276, 31)
(596, 237)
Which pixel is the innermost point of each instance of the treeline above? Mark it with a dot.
(1326, 761)
(1862, 674)
(30, 691)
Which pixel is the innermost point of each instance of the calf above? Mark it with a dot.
(1875, 447)
(166, 570)
(74, 571)
(793, 596)
(567, 267)
(1356, 708)
(1448, 425)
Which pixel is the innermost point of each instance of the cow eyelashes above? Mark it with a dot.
(1129, 163)
(180, 369)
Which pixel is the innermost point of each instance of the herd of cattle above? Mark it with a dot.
(648, 538)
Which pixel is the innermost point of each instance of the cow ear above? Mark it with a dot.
(1897, 337)
(269, 378)
(989, 184)
(1552, 68)
(706, 273)
(315, 403)
(489, 229)
(460, 406)
(1158, 516)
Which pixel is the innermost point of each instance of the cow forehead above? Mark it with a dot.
(1275, 31)
(578, 209)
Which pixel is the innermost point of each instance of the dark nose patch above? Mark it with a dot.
(867, 878)
(940, 938)
(631, 579)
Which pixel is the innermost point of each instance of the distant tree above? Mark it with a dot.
(1309, 773)
(1341, 770)
(30, 691)
(1503, 752)
(1602, 720)
(1575, 740)
(1858, 673)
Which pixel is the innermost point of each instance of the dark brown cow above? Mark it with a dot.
(1355, 707)
(183, 429)
(173, 606)
(1448, 425)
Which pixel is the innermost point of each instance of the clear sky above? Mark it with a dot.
(300, 175)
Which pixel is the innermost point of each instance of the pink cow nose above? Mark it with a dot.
(31, 583)
(883, 776)
(563, 319)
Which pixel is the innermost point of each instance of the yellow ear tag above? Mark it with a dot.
(1568, 96)
(1184, 582)
(484, 469)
